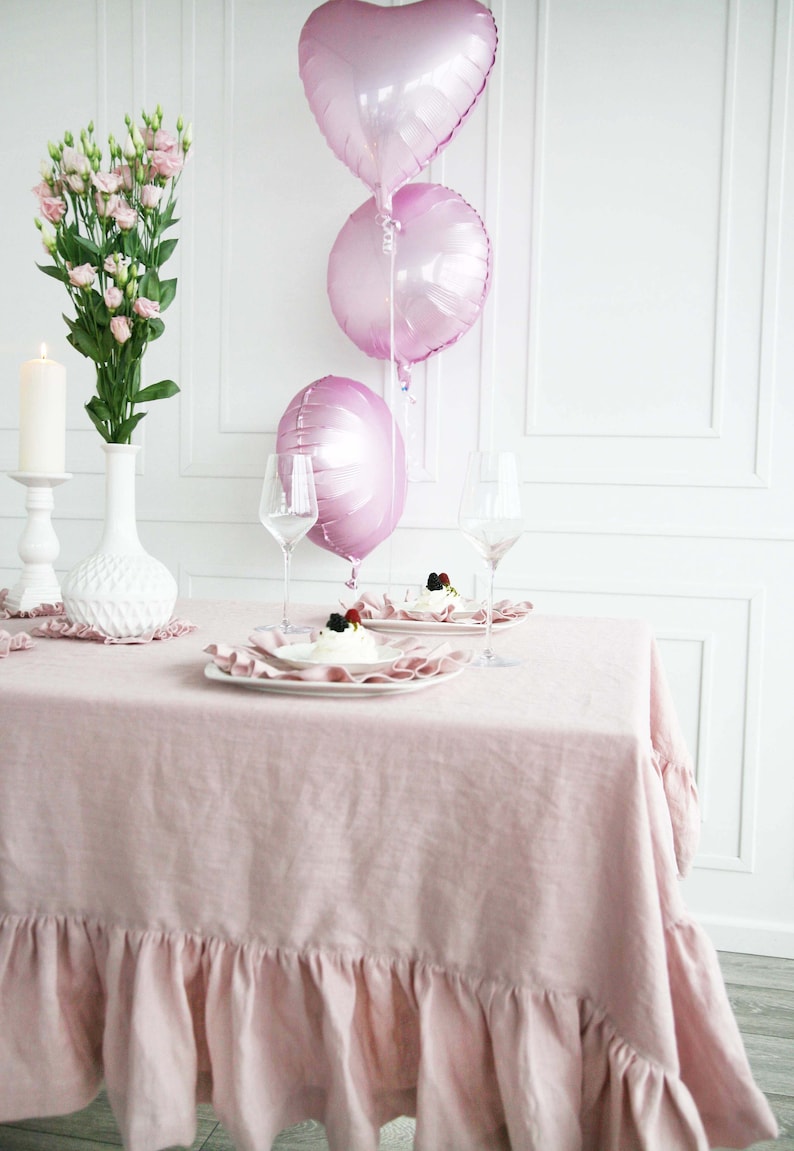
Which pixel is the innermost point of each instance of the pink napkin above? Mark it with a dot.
(59, 627)
(42, 609)
(372, 606)
(19, 642)
(261, 661)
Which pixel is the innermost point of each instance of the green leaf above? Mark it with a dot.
(167, 293)
(165, 251)
(150, 285)
(96, 421)
(84, 345)
(166, 218)
(94, 303)
(159, 391)
(56, 273)
(134, 380)
(127, 427)
(87, 248)
(99, 409)
(156, 328)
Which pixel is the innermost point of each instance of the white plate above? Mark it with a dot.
(300, 655)
(438, 627)
(470, 608)
(321, 687)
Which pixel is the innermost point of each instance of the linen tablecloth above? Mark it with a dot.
(461, 904)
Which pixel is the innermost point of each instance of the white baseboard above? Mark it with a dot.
(749, 936)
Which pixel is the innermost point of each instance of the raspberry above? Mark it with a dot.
(352, 616)
(445, 580)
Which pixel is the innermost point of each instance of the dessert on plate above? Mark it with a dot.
(345, 639)
(437, 595)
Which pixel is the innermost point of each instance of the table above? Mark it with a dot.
(461, 904)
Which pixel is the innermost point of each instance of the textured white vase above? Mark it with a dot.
(121, 590)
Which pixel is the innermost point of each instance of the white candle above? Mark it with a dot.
(42, 416)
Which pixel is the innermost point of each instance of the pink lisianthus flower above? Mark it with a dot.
(113, 297)
(125, 216)
(107, 182)
(53, 208)
(166, 164)
(146, 308)
(121, 329)
(160, 141)
(105, 205)
(42, 190)
(124, 173)
(74, 161)
(82, 276)
(151, 195)
(75, 182)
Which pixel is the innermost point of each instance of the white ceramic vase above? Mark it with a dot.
(120, 590)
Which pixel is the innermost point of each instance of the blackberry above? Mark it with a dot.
(337, 622)
(433, 582)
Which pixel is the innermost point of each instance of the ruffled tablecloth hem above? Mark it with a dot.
(354, 1041)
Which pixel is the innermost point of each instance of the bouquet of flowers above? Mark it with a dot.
(105, 231)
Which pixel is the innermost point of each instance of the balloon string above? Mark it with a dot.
(390, 228)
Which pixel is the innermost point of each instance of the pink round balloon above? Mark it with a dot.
(442, 267)
(390, 87)
(358, 458)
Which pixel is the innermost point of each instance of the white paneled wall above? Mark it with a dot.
(632, 161)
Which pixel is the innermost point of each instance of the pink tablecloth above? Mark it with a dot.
(461, 903)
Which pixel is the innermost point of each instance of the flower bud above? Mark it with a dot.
(48, 239)
(180, 123)
(130, 290)
(54, 150)
(129, 149)
(68, 139)
(187, 139)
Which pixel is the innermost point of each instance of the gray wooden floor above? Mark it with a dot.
(761, 992)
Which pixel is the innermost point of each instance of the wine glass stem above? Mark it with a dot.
(489, 652)
(287, 564)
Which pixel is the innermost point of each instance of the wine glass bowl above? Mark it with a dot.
(288, 509)
(491, 519)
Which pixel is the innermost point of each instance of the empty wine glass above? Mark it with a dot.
(491, 519)
(288, 508)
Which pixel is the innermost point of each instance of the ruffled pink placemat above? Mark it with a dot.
(19, 642)
(372, 606)
(59, 627)
(42, 609)
(261, 661)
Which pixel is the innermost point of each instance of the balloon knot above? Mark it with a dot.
(390, 226)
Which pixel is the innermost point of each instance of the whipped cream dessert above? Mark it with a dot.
(437, 595)
(343, 638)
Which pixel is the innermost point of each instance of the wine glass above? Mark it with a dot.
(288, 508)
(491, 519)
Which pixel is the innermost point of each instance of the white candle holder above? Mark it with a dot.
(38, 544)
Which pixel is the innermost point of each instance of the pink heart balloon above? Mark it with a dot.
(390, 87)
(442, 263)
(358, 458)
